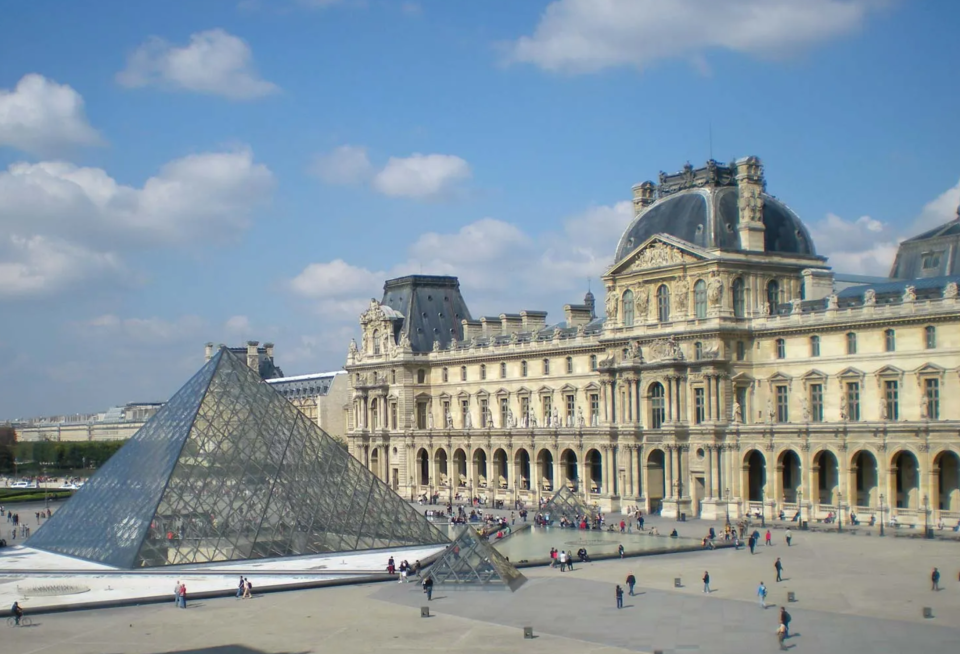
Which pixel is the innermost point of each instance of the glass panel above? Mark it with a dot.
(471, 560)
(230, 470)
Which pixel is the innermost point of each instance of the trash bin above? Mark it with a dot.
(683, 517)
(929, 533)
(803, 525)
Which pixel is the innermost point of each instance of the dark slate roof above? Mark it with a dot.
(709, 217)
(933, 253)
(929, 285)
(267, 369)
(304, 385)
(432, 308)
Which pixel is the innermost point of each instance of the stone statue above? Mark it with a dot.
(910, 294)
(436, 345)
(468, 420)
(832, 302)
(580, 421)
(869, 297)
(924, 409)
(611, 303)
(737, 412)
(555, 418)
(354, 350)
(843, 409)
(515, 337)
(633, 351)
(449, 420)
(525, 420)
(883, 409)
(715, 290)
(557, 333)
(581, 330)
(950, 291)
(804, 409)
(510, 422)
(796, 306)
(770, 414)
(681, 289)
(404, 341)
(643, 303)
(429, 419)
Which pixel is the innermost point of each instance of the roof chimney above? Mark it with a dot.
(750, 187)
(208, 352)
(643, 196)
(269, 348)
(253, 359)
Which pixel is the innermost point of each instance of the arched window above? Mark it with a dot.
(931, 337)
(593, 362)
(421, 376)
(376, 341)
(446, 375)
(483, 371)
(700, 299)
(739, 299)
(773, 297)
(781, 349)
(663, 303)
(503, 371)
(814, 346)
(628, 308)
(851, 343)
(569, 365)
(658, 409)
(697, 351)
(523, 368)
(463, 373)
(890, 340)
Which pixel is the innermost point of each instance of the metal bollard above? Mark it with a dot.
(528, 632)
(676, 582)
(927, 612)
(424, 611)
(791, 596)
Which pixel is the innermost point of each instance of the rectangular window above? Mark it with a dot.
(393, 415)
(852, 401)
(484, 413)
(571, 409)
(594, 408)
(504, 411)
(741, 395)
(699, 405)
(931, 337)
(930, 260)
(816, 402)
(503, 371)
(446, 412)
(851, 343)
(422, 414)
(569, 365)
(464, 413)
(931, 397)
(783, 408)
(546, 366)
(891, 398)
(593, 362)
(781, 348)
(814, 346)
(463, 373)
(741, 351)
(547, 403)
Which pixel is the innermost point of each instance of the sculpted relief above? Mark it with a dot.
(715, 290)
(681, 291)
(611, 303)
(657, 254)
(643, 302)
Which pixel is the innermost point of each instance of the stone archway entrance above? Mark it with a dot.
(755, 476)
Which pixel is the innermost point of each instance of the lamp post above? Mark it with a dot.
(926, 516)
(763, 508)
(881, 514)
(727, 504)
(839, 511)
(800, 508)
(679, 495)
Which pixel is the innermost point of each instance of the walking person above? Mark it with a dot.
(935, 578)
(768, 539)
(762, 594)
(752, 543)
(619, 597)
(781, 635)
(620, 550)
(183, 596)
(779, 568)
(706, 582)
(785, 621)
(562, 557)
(176, 593)
(248, 590)
(428, 587)
(242, 587)
(570, 561)
(631, 582)
(788, 536)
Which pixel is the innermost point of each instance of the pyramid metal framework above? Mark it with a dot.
(568, 505)
(471, 561)
(229, 470)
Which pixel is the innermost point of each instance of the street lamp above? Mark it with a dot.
(926, 517)
(881, 514)
(763, 508)
(679, 495)
(800, 507)
(839, 511)
(727, 504)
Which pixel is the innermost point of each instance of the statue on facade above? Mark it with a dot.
(883, 409)
(436, 345)
(910, 294)
(633, 351)
(770, 413)
(681, 290)
(510, 422)
(804, 409)
(557, 333)
(715, 290)
(924, 409)
(832, 301)
(951, 291)
(643, 303)
(429, 419)
(404, 341)
(843, 409)
(580, 421)
(525, 419)
(555, 418)
(612, 301)
(869, 297)
(448, 419)
(468, 420)
(737, 412)
(515, 337)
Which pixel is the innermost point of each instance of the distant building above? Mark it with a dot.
(323, 397)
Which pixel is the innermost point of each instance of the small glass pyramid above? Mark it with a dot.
(229, 470)
(565, 504)
(471, 561)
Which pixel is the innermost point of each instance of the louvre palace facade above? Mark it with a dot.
(728, 370)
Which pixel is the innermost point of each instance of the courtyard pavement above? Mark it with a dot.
(855, 594)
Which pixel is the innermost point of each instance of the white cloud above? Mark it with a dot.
(421, 176)
(864, 246)
(941, 209)
(334, 279)
(237, 325)
(62, 225)
(581, 36)
(42, 117)
(214, 62)
(348, 164)
(144, 330)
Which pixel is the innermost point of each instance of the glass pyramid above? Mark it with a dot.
(565, 504)
(229, 470)
(470, 561)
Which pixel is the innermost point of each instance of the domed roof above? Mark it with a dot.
(702, 207)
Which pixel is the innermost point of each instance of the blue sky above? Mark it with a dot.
(178, 172)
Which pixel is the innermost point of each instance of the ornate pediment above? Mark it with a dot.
(663, 350)
(658, 252)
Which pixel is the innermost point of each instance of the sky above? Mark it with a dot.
(177, 172)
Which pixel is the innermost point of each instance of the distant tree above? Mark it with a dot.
(8, 438)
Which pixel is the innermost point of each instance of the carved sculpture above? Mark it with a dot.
(405, 341)
(843, 409)
(664, 350)
(643, 303)
(770, 413)
(580, 420)
(804, 409)
(468, 421)
(657, 254)
(737, 412)
(832, 301)
(430, 420)
(681, 290)
(883, 409)
(555, 418)
(633, 351)
(869, 297)
(611, 303)
(711, 350)
(950, 291)
(448, 419)
(510, 421)
(715, 290)
(354, 350)
(910, 294)
(436, 346)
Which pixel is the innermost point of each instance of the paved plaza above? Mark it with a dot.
(854, 594)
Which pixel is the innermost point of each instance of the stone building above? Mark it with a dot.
(730, 373)
(323, 397)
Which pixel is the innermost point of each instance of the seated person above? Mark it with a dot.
(853, 518)
(674, 534)
(873, 520)
(782, 514)
(582, 555)
(796, 517)
(712, 534)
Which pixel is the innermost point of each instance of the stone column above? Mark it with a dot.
(668, 470)
(669, 399)
(708, 397)
(710, 493)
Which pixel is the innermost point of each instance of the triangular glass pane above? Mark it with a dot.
(470, 560)
(565, 504)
